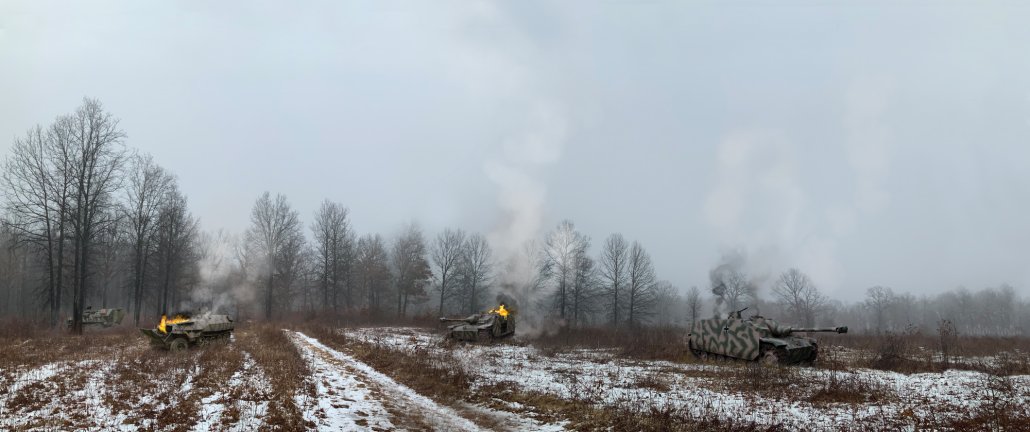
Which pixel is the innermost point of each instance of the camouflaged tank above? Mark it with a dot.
(100, 317)
(180, 332)
(485, 327)
(755, 339)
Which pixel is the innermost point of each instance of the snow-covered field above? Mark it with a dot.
(123, 385)
(716, 389)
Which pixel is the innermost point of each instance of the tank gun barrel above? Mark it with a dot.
(466, 319)
(841, 329)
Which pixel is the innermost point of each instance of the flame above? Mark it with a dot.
(500, 310)
(165, 321)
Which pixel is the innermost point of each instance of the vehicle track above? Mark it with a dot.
(351, 395)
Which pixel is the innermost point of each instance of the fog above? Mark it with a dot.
(866, 144)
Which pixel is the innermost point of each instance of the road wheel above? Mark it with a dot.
(698, 354)
(178, 344)
(770, 357)
(814, 355)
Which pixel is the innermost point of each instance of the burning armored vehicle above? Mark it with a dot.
(755, 339)
(484, 327)
(182, 331)
(100, 317)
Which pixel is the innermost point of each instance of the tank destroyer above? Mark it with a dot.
(105, 317)
(755, 339)
(495, 324)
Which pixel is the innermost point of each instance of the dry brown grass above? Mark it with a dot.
(286, 370)
(48, 346)
(145, 384)
(438, 375)
(645, 343)
(425, 373)
(914, 352)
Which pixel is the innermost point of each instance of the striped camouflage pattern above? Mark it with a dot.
(726, 336)
(755, 337)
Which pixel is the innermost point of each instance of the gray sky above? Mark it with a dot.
(867, 143)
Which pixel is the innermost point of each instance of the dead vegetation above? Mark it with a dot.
(286, 370)
(169, 390)
(912, 351)
(645, 343)
(442, 377)
(58, 381)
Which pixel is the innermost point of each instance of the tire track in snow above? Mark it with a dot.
(348, 388)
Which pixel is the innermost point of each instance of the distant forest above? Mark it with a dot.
(88, 221)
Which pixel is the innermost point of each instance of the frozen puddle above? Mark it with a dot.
(353, 396)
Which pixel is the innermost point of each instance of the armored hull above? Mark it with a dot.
(753, 339)
(100, 317)
(484, 327)
(181, 332)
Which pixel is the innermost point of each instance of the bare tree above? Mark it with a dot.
(38, 179)
(291, 268)
(475, 270)
(667, 303)
(98, 157)
(446, 254)
(28, 177)
(411, 270)
(693, 303)
(373, 271)
(640, 289)
(584, 290)
(614, 255)
(333, 252)
(878, 301)
(274, 225)
(111, 262)
(795, 291)
(176, 246)
(733, 288)
(563, 251)
(147, 188)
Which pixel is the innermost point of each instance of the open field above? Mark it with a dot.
(308, 377)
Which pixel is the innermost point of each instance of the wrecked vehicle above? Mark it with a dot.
(100, 317)
(754, 339)
(180, 332)
(484, 327)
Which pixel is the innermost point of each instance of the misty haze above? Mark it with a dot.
(488, 215)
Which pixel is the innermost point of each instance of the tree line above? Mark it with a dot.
(88, 221)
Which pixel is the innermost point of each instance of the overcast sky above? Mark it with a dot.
(865, 143)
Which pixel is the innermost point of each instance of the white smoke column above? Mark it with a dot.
(522, 197)
(758, 203)
(222, 287)
(498, 62)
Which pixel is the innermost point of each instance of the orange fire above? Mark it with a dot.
(500, 310)
(165, 321)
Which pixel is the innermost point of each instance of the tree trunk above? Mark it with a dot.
(443, 289)
(268, 296)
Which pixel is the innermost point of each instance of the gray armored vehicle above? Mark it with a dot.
(182, 331)
(485, 327)
(100, 317)
(755, 338)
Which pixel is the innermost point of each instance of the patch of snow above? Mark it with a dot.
(341, 376)
(601, 377)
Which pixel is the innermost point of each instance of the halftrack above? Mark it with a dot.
(182, 331)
